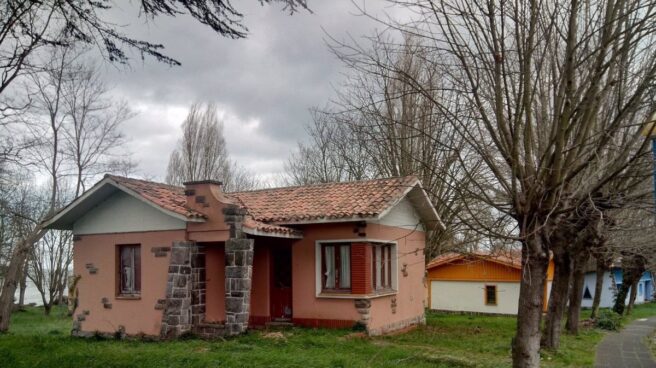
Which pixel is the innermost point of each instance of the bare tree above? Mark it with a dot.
(202, 153)
(91, 133)
(533, 80)
(381, 125)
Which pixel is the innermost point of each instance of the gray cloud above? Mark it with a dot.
(264, 85)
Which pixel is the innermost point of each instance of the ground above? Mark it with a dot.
(446, 341)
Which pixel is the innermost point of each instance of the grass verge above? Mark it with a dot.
(447, 340)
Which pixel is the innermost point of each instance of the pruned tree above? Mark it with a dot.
(533, 80)
(202, 153)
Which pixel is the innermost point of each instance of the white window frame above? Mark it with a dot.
(318, 277)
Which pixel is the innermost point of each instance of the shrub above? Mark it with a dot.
(609, 320)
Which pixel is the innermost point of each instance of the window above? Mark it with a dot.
(587, 294)
(490, 294)
(129, 270)
(382, 266)
(336, 267)
(640, 289)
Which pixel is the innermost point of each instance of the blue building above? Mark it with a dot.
(612, 281)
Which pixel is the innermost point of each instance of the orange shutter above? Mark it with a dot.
(361, 268)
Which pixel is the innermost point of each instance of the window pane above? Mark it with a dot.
(345, 267)
(329, 264)
(137, 269)
(388, 266)
(129, 269)
(491, 294)
(378, 267)
(126, 269)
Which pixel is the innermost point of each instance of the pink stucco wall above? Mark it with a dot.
(139, 315)
(260, 284)
(410, 295)
(214, 282)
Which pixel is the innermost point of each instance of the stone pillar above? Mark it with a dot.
(185, 290)
(238, 273)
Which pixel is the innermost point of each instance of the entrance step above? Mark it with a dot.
(279, 325)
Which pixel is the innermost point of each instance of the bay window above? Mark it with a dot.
(336, 267)
(382, 266)
(353, 269)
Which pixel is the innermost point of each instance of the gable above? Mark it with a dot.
(474, 270)
(121, 212)
(402, 215)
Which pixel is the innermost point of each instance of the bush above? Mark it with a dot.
(609, 320)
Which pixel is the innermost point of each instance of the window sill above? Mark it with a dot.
(333, 295)
(128, 297)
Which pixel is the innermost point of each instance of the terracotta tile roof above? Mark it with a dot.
(250, 223)
(269, 207)
(358, 199)
(512, 259)
(169, 197)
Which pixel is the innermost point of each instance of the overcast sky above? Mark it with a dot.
(264, 85)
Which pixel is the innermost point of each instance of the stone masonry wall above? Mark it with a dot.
(185, 290)
(238, 273)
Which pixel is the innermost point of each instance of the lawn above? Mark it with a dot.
(445, 341)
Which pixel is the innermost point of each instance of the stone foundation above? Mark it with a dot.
(397, 326)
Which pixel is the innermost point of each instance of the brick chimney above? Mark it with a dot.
(207, 197)
(203, 194)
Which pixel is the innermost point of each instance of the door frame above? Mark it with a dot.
(272, 250)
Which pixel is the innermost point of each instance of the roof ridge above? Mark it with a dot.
(326, 184)
(112, 176)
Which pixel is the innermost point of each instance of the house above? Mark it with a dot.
(165, 261)
(611, 281)
(478, 282)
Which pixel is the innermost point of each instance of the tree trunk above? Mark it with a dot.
(576, 294)
(13, 273)
(72, 294)
(599, 285)
(526, 343)
(632, 296)
(22, 286)
(557, 299)
(620, 298)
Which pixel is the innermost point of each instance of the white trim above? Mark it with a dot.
(109, 181)
(150, 203)
(317, 268)
(71, 205)
(397, 201)
(257, 232)
(327, 220)
(357, 296)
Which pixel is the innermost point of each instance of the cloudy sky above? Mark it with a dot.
(264, 85)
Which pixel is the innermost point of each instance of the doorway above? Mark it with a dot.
(281, 283)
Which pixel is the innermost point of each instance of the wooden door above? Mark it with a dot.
(281, 283)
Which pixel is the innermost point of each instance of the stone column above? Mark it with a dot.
(185, 290)
(238, 273)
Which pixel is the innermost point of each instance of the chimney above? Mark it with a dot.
(202, 194)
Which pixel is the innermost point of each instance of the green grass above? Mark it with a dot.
(445, 341)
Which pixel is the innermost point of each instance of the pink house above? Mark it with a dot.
(164, 261)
